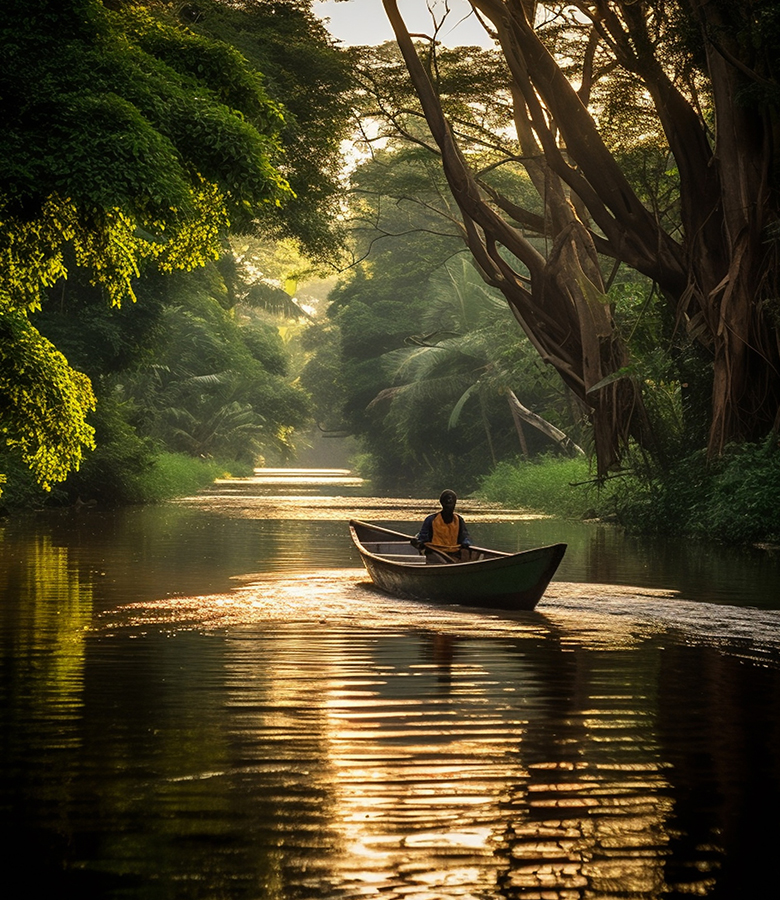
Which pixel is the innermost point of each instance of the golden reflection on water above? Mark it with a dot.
(239, 497)
(444, 791)
(49, 648)
(417, 794)
(592, 827)
(294, 477)
(352, 745)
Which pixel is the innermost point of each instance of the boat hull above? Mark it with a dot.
(498, 580)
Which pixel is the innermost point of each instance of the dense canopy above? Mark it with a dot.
(133, 140)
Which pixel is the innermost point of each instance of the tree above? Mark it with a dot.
(428, 353)
(467, 354)
(699, 75)
(312, 80)
(127, 138)
(129, 141)
(214, 387)
(43, 401)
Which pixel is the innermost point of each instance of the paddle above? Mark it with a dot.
(445, 557)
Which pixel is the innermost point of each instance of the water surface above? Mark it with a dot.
(207, 699)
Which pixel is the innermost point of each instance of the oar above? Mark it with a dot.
(442, 555)
(426, 548)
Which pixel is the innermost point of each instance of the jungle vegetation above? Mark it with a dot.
(562, 249)
(612, 170)
(649, 133)
(137, 140)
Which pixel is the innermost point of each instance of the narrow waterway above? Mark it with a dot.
(207, 699)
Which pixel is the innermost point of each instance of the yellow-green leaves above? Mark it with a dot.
(110, 244)
(127, 141)
(43, 401)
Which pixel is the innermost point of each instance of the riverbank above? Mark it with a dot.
(109, 480)
(734, 499)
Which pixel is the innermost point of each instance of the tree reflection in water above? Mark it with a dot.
(303, 736)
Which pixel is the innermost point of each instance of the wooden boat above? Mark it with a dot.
(487, 578)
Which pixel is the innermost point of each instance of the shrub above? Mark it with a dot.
(743, 505)
(656, 498)
(176, 475)
(549, 484)
(734, 499)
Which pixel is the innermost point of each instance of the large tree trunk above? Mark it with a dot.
(727, 202)
(739, 295)
(721, 277)
(563, 310)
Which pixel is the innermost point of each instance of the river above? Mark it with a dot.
(206, 699)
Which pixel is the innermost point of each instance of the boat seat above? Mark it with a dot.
(394, 548)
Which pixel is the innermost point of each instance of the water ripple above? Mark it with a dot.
(582, 615)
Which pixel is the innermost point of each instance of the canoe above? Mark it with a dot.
(488, 578)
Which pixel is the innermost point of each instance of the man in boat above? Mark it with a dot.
(443, 532)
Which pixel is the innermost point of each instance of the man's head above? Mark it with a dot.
(448, 500)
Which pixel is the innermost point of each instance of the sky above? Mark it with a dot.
(365, 22)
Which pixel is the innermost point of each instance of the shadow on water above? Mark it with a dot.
(207, 700)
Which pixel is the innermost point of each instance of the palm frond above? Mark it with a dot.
(456, 410)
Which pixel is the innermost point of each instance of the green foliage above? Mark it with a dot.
(125, 468)
(429, 353)
(127, 140)
(177, 370)
(650, 497)
(98, 339)
(115, 473)
(264, 275)
(675, 375)
(132, 141)
(118, 141)
(263, 343)
(425, 383)
(129, 473)
(322, 376)
(122, 109)
(313, 80)
(554, 485)
(213, 387)
(470, 355)
(20, 490)
(43, 401)
(399, 208)
(744, 497)
(733, 499)
(177, 475)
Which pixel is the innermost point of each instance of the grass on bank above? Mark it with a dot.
(115, 479)
(178, 475)
(734, 499)
(547, 484)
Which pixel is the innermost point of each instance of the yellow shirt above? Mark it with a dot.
(445, 536)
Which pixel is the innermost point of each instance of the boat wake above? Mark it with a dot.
(593, 616)
(593, 612)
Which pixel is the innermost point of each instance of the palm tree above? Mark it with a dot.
(466, 353)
